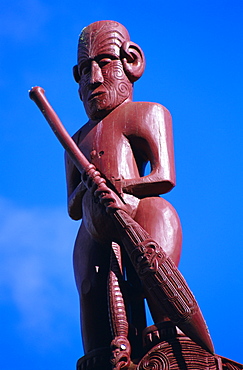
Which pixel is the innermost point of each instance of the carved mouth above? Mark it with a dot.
(94, 95)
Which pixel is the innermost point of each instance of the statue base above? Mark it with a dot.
(165, 348)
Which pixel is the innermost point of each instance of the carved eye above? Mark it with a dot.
(85, 70)
(103, 62)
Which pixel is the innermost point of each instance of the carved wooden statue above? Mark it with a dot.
(120, 137)
(129, 243)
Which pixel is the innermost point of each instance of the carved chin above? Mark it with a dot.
(99, 108)
(97, 111)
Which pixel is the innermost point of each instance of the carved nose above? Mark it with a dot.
(96, 74)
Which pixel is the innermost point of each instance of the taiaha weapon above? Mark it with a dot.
(161, 279)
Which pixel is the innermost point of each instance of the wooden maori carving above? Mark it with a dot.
(129, 242)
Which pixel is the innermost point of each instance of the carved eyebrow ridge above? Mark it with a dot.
(87, 62)
(105, 56)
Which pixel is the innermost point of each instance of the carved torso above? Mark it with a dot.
(106, 146)
(123, 142)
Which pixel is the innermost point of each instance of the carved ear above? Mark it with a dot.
(133, 60)
(76, 74)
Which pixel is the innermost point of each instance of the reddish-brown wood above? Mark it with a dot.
(129, 242)
(120, 138)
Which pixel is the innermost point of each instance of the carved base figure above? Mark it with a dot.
(165, 348)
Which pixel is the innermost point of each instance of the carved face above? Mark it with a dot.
(103, 84)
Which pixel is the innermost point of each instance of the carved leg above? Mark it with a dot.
(163, 226)
(120, 346)
(92, 268)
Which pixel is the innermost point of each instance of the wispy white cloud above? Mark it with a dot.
(36, 270)
(23, 19)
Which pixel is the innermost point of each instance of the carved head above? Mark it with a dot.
(108, 65)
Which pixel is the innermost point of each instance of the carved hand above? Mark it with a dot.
(110, 200)
(106, 196)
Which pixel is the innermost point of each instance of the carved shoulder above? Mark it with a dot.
(147, 107)
(143, 118)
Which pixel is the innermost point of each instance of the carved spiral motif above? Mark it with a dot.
(118, 71)
(123, 89)
(154, 361)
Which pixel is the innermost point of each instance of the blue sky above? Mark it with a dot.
(194, 68)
